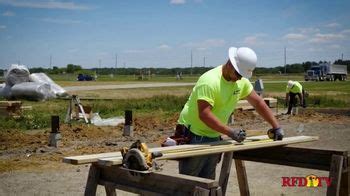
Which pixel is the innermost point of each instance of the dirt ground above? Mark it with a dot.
(29, 167)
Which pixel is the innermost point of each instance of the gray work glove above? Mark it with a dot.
(237, 134)
(276, 134)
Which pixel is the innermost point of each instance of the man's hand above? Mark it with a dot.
(237, 134)
(276, 134)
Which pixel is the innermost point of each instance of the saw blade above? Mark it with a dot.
(135, 160)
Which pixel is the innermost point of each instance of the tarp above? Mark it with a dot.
(5, 91)
(19, 83)
(98, 121)
(43, 78)
(16, 74)
(32, 90)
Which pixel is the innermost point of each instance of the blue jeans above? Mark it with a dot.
(200, 166)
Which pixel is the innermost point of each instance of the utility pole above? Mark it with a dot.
(99, 64)
(50, 61)
(203, 61)
(191, 62)
(116, 64)
(342, 56)
(285, 61)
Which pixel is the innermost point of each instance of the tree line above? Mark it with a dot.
(78, 69)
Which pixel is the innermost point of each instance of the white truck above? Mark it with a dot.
(326, 71)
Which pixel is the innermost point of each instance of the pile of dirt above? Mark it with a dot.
(29, 150)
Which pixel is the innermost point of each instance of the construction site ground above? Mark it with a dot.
(28, 166)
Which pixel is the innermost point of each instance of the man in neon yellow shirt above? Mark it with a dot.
(212, 101)
(294, 88)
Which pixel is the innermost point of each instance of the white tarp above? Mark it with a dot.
(98, 121)
(16, 74)
(19, 83)
(32, 90)
(43, 78)
(5, 91)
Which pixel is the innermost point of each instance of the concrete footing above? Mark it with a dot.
(294, 110)
(128, 130)
(55, 139)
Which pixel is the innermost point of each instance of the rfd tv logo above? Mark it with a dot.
(308, 181)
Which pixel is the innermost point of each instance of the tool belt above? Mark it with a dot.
(182, 135)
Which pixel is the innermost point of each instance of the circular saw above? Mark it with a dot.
(138, 158)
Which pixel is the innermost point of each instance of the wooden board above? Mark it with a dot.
(174, 152)
(214, 149)
(84, 159)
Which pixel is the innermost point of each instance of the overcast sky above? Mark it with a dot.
(162, 33)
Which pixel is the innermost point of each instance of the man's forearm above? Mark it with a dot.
(213, 122)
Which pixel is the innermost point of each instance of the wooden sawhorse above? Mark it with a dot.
(334, 161)
(112, 178)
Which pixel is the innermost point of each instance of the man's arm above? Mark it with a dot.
(206, 115)
(287, 99)
(260, 106)
(301, 98)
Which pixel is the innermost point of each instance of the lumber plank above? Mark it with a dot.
(83, 159)
(215, 149)
(91, 158)
(107, 157)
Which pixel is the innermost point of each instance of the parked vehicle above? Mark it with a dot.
(85, 77)
(326, 71)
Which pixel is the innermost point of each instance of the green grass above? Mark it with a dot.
(322, 94)
(40, 116)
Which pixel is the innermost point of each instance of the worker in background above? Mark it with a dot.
(211, 103)
(293, 89)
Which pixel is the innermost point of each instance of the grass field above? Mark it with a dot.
(161, 101)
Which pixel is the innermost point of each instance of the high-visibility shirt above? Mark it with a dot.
(221, 94)
(296, 88)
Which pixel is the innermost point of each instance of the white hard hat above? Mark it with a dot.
(243, 60)
(290, 84)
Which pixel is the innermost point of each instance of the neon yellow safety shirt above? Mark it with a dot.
(221, 94)
(296, 88)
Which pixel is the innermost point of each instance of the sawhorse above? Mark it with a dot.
(112, 178)
(336, 162)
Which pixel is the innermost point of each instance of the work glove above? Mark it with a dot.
(275, 134)
(237, 134)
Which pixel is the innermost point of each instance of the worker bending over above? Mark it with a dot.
(211, 103)
(294, 88)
